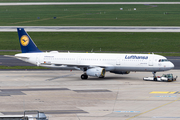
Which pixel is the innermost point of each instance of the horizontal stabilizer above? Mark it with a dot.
(16, 56)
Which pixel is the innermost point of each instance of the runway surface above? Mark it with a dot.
(62, 95)
(82, 3)
(9, 61)
(91, 28)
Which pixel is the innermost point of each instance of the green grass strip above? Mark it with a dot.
(86, 41)
(90, 15)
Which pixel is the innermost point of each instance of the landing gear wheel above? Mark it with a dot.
(84, 76)
(101, 77)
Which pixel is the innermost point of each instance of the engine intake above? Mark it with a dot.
(96, 72)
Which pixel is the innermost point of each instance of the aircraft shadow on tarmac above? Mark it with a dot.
(111, 78)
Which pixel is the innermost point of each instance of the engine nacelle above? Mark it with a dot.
(120, 72)
(96, 72)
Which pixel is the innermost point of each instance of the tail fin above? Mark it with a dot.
(26, 43)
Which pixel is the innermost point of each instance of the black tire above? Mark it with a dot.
(84, 76)
(101, 77)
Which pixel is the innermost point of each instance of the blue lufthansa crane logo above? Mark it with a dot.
(24, 40)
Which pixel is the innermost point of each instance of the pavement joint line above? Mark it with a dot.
(153, 109)
(117, 94)
(63, 76)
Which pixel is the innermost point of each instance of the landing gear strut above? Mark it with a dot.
(84, 76)
(154, 76)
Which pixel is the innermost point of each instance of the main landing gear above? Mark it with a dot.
(84, 76)
(154, 76)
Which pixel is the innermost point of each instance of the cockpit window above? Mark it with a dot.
(163, 60)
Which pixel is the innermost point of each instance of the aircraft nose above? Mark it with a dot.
(171, 65)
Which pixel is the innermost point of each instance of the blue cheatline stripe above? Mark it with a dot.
(165, 96)
(164, 117)
(128, 111)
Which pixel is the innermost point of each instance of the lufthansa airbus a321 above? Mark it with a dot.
(92, 64)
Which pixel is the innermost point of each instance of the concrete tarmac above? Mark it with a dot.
(62, 95)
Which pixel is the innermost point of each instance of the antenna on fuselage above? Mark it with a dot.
(92, 50)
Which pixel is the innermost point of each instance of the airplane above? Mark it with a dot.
(92, 64)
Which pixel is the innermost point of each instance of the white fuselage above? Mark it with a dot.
(111, 62)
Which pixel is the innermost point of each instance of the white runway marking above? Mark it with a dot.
(82, 3)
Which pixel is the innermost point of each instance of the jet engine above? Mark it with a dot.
(120, 72)
(96, 72)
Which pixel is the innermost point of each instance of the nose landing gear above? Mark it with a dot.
(154, 76)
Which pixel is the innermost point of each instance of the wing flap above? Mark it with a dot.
(84, 65)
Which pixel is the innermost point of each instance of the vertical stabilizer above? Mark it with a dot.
(26, 43)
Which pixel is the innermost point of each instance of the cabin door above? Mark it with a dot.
(78, 60)
(118, 61)
(38, 60)
(151, 58)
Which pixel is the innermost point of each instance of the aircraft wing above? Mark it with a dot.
(85, 65)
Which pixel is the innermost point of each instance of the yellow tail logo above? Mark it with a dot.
(24, 40)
